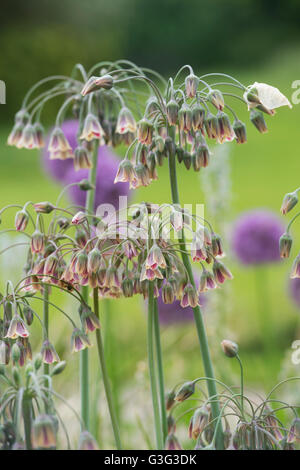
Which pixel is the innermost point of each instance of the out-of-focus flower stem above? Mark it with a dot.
(46, 326)
(207, 363)
(84, 355)
(161, 385)
(152, 374)
(26, 405)
(105, 377)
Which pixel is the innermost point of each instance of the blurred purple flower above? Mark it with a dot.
(294, 287)
(170, 314)
(256, 237)
(63, 171)
(173, 313)
(106, 190)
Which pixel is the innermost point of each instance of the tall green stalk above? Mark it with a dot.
(46, 367)
(26, 405)
(207, 363)
(84, 355)
(105, 377)
(152, 374)
(161, 384)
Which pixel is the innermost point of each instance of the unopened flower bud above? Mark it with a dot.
(145, 131)
(94, 260)
(185, 391)
(50, 265)
(95, 83)
(289, 202)
(216, 245)
(198, 115)
(81, 263)
(240, 131)
(81, 238)
(37, 242)
(87, 442)
(170, 400)
(79, 218)
(127, 287)
(39, 135)
(211, 126)
(230, 348)
(180, 154)
(168, 294)
(44, 433)
(58, 368)
(185, 118)
(172, 111)
(15, 353)
(257, 118)
(85, 185)
(43, 207)
(28, 314)
(38, 362)
(198, 422)
(21, 220)
(216, 98)
(187, 160)
(285, 245)
(82, 159)
(191, 85)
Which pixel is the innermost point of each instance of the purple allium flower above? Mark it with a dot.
(294, 288)
(173, 313)
(256, 237)
(106, 190)
(64, 172)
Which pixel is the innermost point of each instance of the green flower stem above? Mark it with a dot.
(84, 355)
(26, 405)
(155, 402)
(46, 330)
(161, 385)
(105, 377)
(208, 367)
(242, 382)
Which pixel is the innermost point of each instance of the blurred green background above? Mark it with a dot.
(251, 40)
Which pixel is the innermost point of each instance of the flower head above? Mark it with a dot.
(255, 237)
